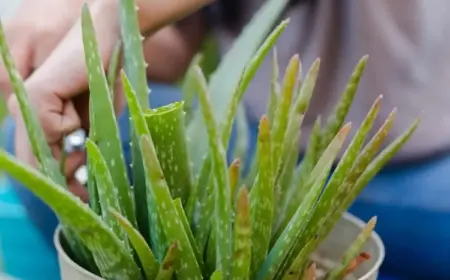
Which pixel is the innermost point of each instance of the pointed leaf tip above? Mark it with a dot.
(345, 130)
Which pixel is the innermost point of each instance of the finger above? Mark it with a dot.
(73, 162)
(70, 120)
(78, 190)
(21, 54)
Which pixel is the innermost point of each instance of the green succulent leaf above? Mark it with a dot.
(227, 76)
(168, 265)
(337, 118)
(217, 275)
(275, 87)
(233, 175)
(182, 215)
(222, 198)
(172, 225)
(113, 67)
(281, 119)
(107, 133)
(149, 222)
(135, 65)
(242, 237)
(189, 86)
(262, 199)
(113, 259)
(167, 127)
(107, 191)
(297, 268)
(352, 252)
(247, 76)
(147, 259)
(242, 135)
(48, 165)
(283, 247)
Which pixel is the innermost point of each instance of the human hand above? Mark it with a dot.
(62, 76)
(34, 31)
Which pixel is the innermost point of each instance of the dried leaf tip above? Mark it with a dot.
(371, 223)
(377, 102)
(242, 200)
(364, 59)
(235, 164)
(264, 129)
(285, 22)
(343, 132)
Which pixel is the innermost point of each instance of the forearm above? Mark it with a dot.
(68, 57)
(170, 50)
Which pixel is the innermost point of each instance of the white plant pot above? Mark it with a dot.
(328, 254)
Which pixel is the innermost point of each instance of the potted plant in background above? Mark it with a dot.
(191, 215)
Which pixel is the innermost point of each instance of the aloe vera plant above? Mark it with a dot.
(191, 216)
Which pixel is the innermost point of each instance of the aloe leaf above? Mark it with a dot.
(296, 270)
(227, 75)
(275, 87)
(107, 192)
(242, 237)
(171, 223)
(38, 142)
(303, 98)
(298, 188)
(168, 265)
(184, 221)
(290, 154)
(262, 199)
(343, 168)
(297, 225)
(354, 250)
(283, 246)
(380, 161)
(337, 118)
(291, 198)
(222, 198)
(48, 165)
(134, 60)
(107, 131)
(242, 135)
(281, 120)
(247, 76)
(363, 171)
(167, 127)
(110, 254)
(189, 86)
(334, 192)
(94, 200)
(145, 201)
(113, 67)
(217, 275)
(147, 259)
(348, 191)
(233, 175)
(296, 116)
(204, 209)
(330, 152)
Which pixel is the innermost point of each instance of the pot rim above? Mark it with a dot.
(346, 216)
(63, 255)
(378, 242)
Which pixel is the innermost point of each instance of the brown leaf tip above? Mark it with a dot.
(345, 129)
(236, 163)
(264, 127)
